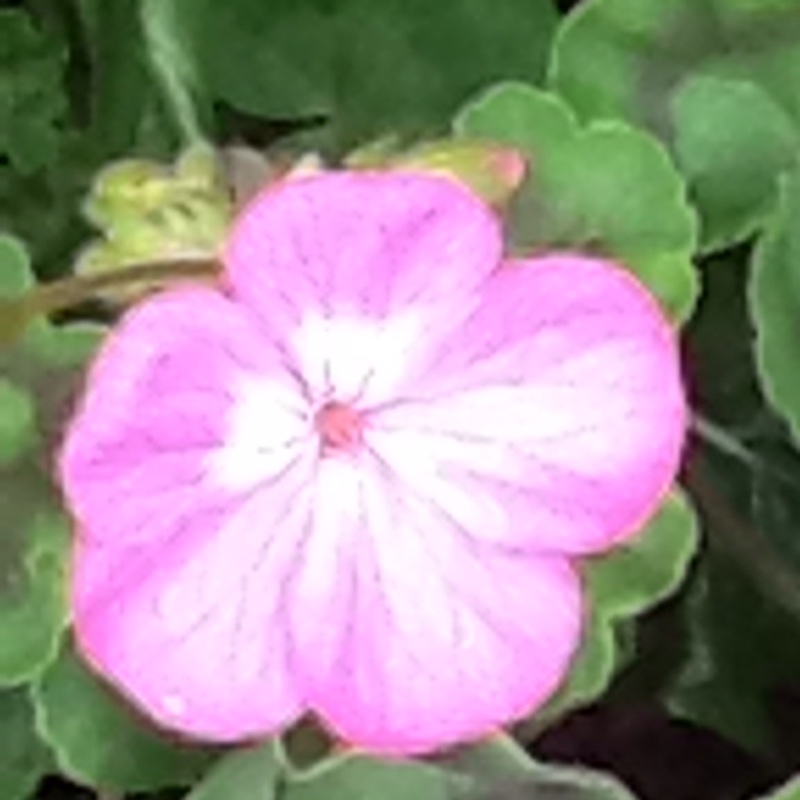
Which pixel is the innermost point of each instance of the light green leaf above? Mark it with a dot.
(732, 141)
(606, 188)
(715, 79)
(620, 586)
(169, 54)
(37, 382)
(789, 791)
(15, 273)
(253, 773)
(23, 758)
(637, 575)
(499, 767)
(17, 424)
(99, 740)
(361, 778)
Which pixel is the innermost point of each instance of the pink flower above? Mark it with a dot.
(355, 481)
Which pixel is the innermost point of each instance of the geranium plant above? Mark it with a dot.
(389, 389)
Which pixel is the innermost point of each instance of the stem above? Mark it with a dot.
(720, 439)
(76, 289)
(746, 544)
(58, 295)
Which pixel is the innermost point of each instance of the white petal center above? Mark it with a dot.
(268, 428)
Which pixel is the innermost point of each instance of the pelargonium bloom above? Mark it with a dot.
(354, 479)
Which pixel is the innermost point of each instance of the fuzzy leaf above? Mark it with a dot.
(715, 79)
(565, 201)
(100, 741)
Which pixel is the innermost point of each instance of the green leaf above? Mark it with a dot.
(640, 51)
(499, 756)
(716, 79)
(38, 376)
(400, 66)
(16, 421)
(742, 648)
(620, 586)
(718, 345)
(15, 273)
(499, 767)
(789, 791)
(32, 96)
(554, 783)
(649, 569)
(124, 94)
(15, 281)
(564, 203)
(732, 140)
(43, 208)
(253, 773)
(23, 758)
(775, 503)
(101, 741)
(33, 607)
(169, 55)
(360, 778)
(775, 303)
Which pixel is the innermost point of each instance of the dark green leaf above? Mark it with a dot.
(743, 648)
(718, 342)
(44, 209)
(775, 303)
(124, 96)
(32, 95)
(400, 66)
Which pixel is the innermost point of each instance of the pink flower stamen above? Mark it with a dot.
(340, 428)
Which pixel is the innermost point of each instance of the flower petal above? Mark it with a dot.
(554, 419)
(417, 638)
(195, 633)
(188, 469)
(361, 270)
(151, 445)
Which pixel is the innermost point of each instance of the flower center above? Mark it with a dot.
(339, 426)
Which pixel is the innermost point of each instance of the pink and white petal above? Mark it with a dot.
(321, 593)
(163, 404)
(419, 638)
(362, 271)
(196, 633)
(555, 419)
